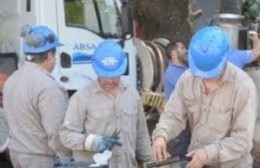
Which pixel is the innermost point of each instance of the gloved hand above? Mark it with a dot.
(102, 143)
(64, 161)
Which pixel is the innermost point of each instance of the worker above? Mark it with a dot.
(108, 114)
(219, 102)
(35, 104)
(177, 55)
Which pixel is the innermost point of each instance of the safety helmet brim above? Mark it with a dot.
(213, 73)
(27, 49)
(116, 73)
(39, 39)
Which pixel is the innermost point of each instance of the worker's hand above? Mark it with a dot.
(102, 143)
(199, 158)
(159, 149)
(255, 39)
(256, 46)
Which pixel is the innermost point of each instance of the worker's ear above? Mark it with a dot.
(50, 57)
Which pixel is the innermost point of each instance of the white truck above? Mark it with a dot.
(80, 26)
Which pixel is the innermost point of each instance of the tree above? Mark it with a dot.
(163, 18)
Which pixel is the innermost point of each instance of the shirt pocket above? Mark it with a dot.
(99, 113)
(97, 121)
(193, 110)
(129, 119)
(221, 119)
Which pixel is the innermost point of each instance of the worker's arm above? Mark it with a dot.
(143, 143)
(242, 57)
(73, 133)
(172, 121)
(53, 103)
(256, 46)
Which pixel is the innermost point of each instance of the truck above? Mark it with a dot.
(80, 25)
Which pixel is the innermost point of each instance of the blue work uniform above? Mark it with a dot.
(171, 76)
(179, 145)
(241, 57)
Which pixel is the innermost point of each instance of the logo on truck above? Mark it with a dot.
(80, 57)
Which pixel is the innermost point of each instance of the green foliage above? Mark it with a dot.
(74, 12)
(251, 9)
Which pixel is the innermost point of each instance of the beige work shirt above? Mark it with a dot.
(221, 122)
(92, 111)
(35, 107)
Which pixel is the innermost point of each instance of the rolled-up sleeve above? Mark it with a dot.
(173, 119)
(143, 144)
(73, 133)
(53, 103)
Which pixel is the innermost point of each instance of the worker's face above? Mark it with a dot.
(109, 84)
(181, 52)
(51, 60)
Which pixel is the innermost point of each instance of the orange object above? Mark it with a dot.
(3, 78)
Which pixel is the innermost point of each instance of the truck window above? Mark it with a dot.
(28, 5)
(8, 63)
(98, 16)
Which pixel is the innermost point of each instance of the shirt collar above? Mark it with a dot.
(178, 66)
(98, 88)
(228, 75)
(37, 66)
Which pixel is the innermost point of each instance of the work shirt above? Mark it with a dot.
(93, 111)
(221, 122)
(35, 106)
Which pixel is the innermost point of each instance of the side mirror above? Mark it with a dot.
(65, 60)
(126, 19)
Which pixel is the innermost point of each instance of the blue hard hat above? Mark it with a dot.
(109, 59)
(39, 39)
(209, 50)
